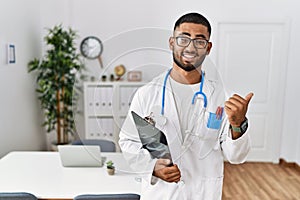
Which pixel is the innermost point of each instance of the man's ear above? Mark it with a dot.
(209, 46)
(171, 43)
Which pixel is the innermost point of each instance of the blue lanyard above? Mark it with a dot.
(200, 92)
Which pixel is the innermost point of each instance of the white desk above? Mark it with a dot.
(42, 174)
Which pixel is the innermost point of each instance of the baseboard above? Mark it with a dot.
(284, 163)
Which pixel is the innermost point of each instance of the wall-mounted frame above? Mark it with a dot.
(134, 76)
(11, 54)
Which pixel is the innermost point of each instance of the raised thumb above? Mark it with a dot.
(249, 97)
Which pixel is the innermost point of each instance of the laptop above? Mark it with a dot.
(80, 155)
(153, 139)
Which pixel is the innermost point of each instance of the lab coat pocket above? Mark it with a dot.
(209, 129)
(213, 121)
(162, 190)
(209, 188)
(207, 135)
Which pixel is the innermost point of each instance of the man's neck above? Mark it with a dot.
(185, 77)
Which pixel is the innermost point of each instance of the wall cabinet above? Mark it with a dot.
(105, 107)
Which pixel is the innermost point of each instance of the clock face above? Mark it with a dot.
(91, 47)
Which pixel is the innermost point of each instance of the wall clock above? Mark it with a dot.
(91, 47)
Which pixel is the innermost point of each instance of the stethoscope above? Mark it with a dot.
(194, 115)
(200, 92)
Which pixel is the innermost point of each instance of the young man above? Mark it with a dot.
(188, 108)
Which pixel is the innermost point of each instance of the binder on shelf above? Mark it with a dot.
(126, 95)
(106, 106)
(108, 127)
(92, 131)
(97, 98)
(108, 95)
(90, 103)
(123, 98)
(132, 92)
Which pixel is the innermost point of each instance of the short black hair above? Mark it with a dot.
(193, 18)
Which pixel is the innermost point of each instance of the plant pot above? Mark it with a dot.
(111, 171)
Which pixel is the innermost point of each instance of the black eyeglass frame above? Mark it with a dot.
(202, 39)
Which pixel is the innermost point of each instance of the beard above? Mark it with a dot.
(187, 67)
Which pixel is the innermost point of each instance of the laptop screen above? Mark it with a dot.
(80, 155)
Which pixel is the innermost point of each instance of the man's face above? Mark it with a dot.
(189, 58)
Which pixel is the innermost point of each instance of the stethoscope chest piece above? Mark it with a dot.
(160, 120)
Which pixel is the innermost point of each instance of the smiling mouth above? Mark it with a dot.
(189, 57)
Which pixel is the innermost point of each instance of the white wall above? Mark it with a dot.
(19, 110)
(290, 149)
(112, 19)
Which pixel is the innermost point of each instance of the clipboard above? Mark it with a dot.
(153, 139)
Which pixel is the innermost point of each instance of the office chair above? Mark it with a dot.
(105, 145)
(108, 197)
(17, 196)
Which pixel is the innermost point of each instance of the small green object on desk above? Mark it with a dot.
(110, 167)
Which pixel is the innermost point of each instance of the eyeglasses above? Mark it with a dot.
(185, 41)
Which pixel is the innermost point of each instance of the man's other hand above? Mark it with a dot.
(164, 171)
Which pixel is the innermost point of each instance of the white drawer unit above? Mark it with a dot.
(105, 108)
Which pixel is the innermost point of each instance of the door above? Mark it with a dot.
(252, 56)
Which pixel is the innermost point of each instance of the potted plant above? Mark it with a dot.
(110, 167)
(56, 77)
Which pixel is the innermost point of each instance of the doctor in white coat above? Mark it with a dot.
(201, 126)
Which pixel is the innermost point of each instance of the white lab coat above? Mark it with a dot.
(200, 158)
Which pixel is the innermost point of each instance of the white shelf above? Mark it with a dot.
(105, 107)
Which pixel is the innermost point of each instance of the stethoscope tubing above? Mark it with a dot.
(200, 92)
(164, 92)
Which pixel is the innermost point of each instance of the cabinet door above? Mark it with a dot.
(99, 100)
(106, 106)
(126, 95)
(100, 128)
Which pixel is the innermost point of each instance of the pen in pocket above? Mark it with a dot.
(219, 112)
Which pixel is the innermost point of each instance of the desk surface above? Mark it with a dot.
(42, 174)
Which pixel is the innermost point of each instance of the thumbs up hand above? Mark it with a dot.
(236, 108)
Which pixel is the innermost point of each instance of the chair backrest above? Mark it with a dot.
(105, 145)
(108, 197)
(17, 196)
